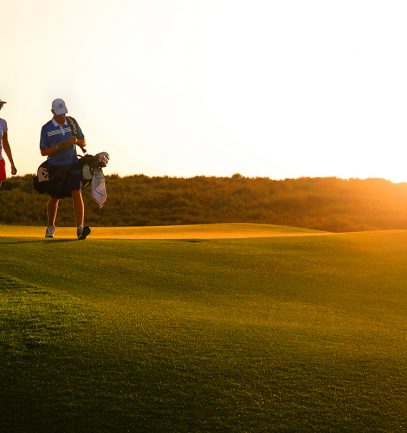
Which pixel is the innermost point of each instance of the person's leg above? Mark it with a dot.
(78, 207)
(82, 231)
(2, 171)
(52, 209)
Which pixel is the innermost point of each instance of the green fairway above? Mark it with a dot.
(196, 231)
(270, 334)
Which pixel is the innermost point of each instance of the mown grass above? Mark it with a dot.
(195, 231)
(251, 335)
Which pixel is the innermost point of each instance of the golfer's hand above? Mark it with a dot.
(65, 144)
(13, 170)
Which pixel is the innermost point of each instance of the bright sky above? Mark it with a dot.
(213, 87)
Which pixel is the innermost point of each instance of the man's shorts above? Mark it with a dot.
(64, 179)
(2, 169)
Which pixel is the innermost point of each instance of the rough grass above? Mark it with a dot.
(251, 335)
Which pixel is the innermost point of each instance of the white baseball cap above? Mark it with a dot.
(59, 106)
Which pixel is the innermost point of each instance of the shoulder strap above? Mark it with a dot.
(74, 125)
(75, 128)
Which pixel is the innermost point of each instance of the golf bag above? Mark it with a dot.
(91, 174)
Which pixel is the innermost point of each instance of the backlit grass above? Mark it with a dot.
(196, 231)
(197, 335)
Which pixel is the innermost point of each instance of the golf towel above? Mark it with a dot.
(98, 187)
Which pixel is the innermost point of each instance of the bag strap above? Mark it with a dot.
(73, 124)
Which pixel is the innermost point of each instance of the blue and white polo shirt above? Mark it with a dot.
(3, 128)
(53, 133)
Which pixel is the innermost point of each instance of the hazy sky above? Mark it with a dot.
(283, 88)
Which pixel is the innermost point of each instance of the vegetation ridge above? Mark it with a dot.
(328, 204)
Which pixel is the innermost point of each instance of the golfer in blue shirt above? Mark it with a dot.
(59, 143)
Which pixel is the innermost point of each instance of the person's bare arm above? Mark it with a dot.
(7, 150)
(64, 144)
(81, 142)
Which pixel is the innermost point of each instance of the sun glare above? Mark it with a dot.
(264, 88)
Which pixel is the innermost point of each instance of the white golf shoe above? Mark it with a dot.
(50, 232)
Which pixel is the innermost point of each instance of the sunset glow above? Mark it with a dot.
(205, 87)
